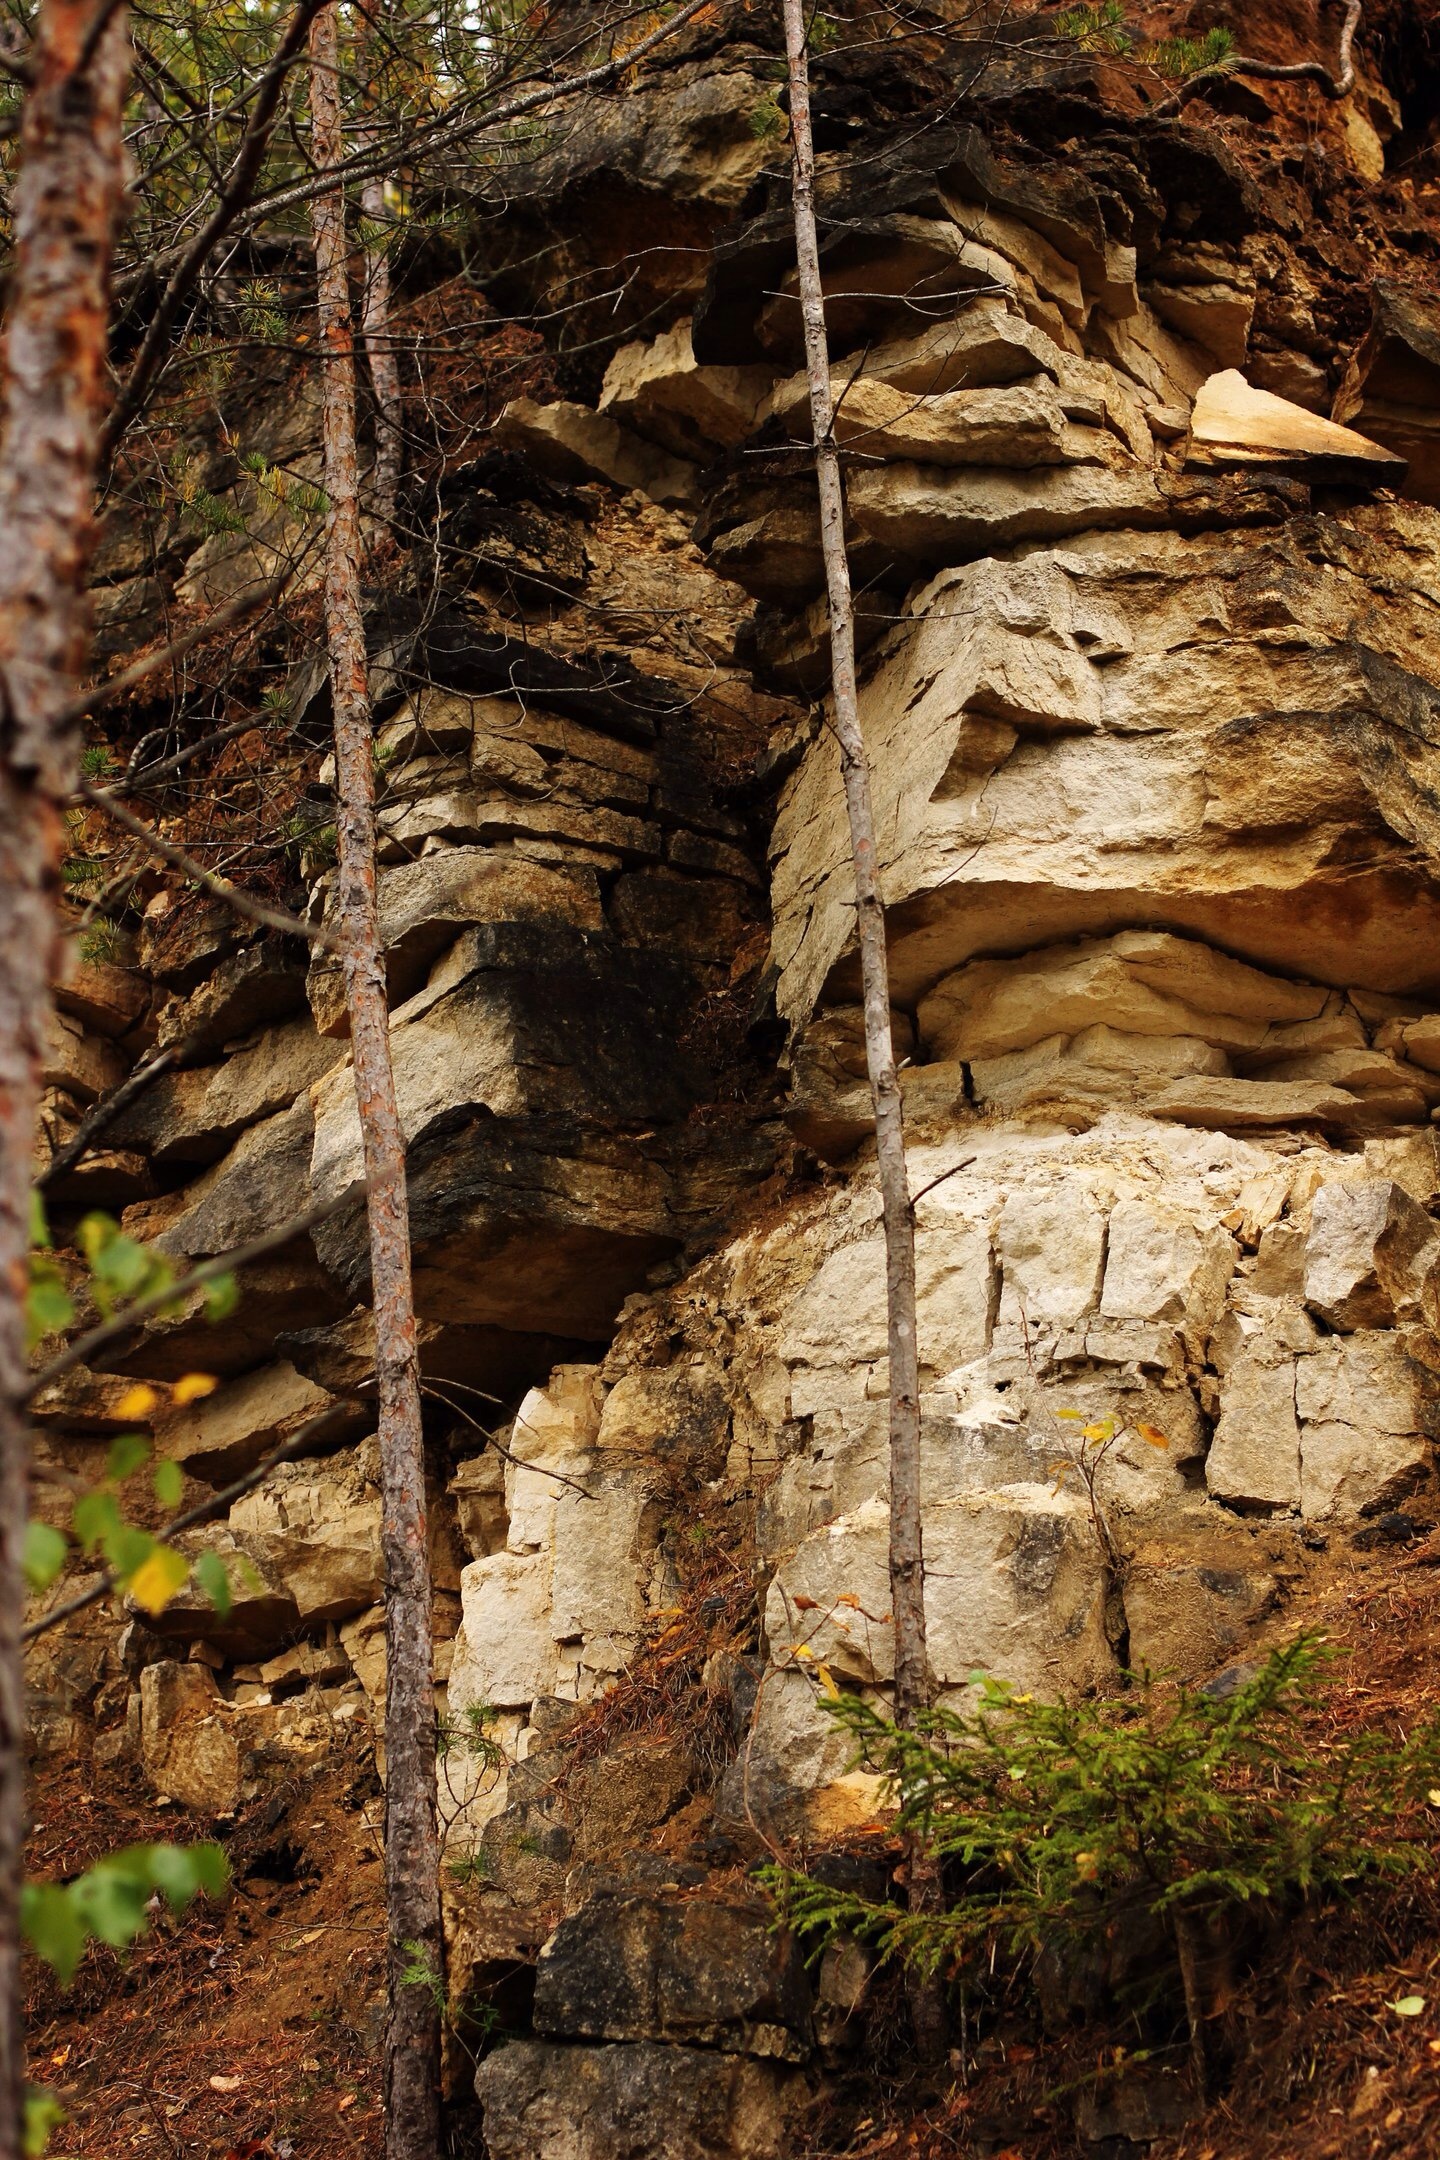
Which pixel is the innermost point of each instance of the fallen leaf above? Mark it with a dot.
(1407, 2006)
(309, 2062)
(346, 2100)
(61, 2056)
(226, 2084)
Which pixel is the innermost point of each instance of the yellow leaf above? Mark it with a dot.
(801, 1650)
(158, 1579)
(1076, 1415)
(1433, 1796)
(137, 1401)
(1152, 1435)
(191, 1386)
(827, 1682)
(1086, 1866)
(1102, 1431)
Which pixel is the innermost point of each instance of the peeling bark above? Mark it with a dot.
(412, 1868)
(55, 392)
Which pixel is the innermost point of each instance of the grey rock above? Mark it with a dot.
(1368, 1248)
(548, 2101)
(698, 1974)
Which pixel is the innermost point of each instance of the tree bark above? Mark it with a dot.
(907, 1564)
(412, 1865)
(55, 392)
(907, 1573)
(375, 317)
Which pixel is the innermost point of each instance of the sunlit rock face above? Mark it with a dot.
(1140, 455)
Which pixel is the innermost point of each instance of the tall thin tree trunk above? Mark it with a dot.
(375, 315)
(907, 1573)
(412, 1865)
(55, 393)
(907, 1566)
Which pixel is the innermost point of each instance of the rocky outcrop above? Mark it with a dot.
(1140, 439)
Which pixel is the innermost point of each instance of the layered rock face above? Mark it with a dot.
(1151, 692)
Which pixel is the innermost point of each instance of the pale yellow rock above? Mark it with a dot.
(570, 442)
(1028, 250)
(934, 514)
(986, 344)
(505, 1652)
(1238, 1105)
(1016, 427)
(318, 1525)
(661, 392)
(1140, 983)
(1363, 1402)
(222, 1435)
(1422, 1042)
(1254, 1459)
(1014, 1586)
(188, 1747)
(1099, 1065)
(553, 1438)
(1233, 424)
(85, 1066)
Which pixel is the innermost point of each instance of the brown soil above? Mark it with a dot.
(247, 2029)
(1323, 2067)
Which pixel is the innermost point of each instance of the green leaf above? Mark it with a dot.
(96, 1518)
(39, 1224)
(53, 1927)
(1408, 2006)
(43, 2113)
(45, 1554)
(169, 1483)
(182, 1871)
(49, 1307)
(126, 1454)
(211, 1575)
(111, 1900)
(221, 1297)
(127, 1549)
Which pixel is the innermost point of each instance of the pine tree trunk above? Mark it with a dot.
(375, 327)
(56, 389)
(907, 1566)
(412, 1868)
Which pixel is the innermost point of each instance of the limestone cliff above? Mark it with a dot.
(1143, 422)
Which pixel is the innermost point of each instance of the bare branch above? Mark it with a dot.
(220, 888)
(155, 346)
(105, 1113)
(225, 618)
(315, 1428)
(99, 1338)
